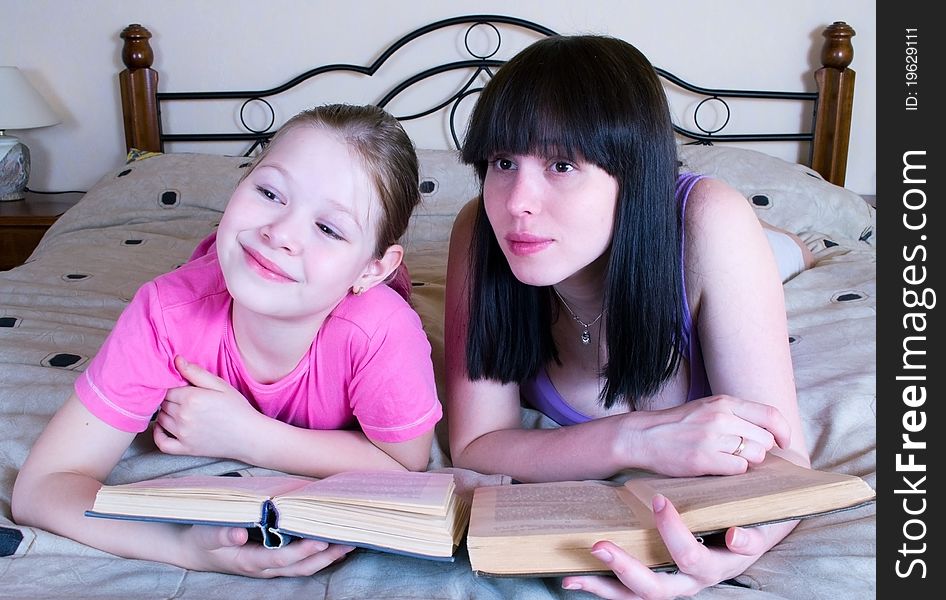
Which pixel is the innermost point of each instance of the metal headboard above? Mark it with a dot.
(146, 135)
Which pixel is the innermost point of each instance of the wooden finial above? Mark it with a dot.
(139, 87)
(136, 51)
(837, 52)
(835, 103)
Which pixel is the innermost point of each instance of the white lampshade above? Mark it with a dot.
(21, 106)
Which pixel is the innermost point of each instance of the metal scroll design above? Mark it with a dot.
(708, 136)
(479, 65)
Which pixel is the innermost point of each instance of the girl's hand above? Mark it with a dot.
(225, 550)
(698, 566)
(207, 418)
(716, 435)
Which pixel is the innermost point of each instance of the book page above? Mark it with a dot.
(773, 476)
(209, 485)
(423, 492)
(552, 508)
(774, 490)
(193, 499)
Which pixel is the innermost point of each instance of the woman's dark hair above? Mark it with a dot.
(598, 99)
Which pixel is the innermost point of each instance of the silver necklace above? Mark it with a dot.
(585, 335)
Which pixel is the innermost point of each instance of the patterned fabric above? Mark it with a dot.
(56, 310)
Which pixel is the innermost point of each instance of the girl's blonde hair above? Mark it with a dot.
(386, 151)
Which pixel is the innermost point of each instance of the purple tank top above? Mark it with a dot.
(540, 393)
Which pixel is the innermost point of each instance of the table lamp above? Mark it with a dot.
(21, 107)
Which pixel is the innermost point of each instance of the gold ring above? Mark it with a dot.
(740, 447)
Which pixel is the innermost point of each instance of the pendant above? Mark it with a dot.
(585, 337)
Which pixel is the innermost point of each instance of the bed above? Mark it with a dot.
(145, 218)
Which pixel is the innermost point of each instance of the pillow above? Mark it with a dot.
(786, 194)
(157, 187)
(446, 184)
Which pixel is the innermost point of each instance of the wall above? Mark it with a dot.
(70, 51)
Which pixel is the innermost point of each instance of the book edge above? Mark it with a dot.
(367, 546)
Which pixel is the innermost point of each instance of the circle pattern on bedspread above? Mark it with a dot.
(10, 539)
(64, 360)
(849, 296)
(169, 198)
(76, 276)
(760, 200)
(428, 186)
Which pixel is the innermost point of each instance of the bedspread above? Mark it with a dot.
(146, 217)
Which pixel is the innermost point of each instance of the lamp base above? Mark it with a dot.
(14, 170)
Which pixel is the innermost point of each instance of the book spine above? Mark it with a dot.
(269, 527)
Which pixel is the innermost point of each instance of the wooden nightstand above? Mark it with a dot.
(23, 223)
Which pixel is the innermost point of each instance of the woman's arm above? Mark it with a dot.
(63, 472)
(740, 305)
(211, 418)
(736, 292)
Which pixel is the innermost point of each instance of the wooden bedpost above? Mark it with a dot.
(835, 101)
(139, 86)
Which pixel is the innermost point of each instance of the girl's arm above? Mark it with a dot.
(211, 418)
(63, 472)
(486, 434)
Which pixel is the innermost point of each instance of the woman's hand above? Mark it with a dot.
(716, 435)
(698, 566)
(225, 550)
(207, 418)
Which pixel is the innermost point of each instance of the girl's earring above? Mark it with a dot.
(358, 290)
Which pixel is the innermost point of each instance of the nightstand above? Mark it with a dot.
(23, 223)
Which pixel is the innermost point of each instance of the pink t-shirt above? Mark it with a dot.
(369, 366)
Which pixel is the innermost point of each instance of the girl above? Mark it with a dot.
(293, 352)
(638, 307)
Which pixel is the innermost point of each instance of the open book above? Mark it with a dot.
(410, 513)
(538, 529)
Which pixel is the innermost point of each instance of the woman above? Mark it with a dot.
(638, 307)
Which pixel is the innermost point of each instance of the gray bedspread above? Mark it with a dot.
(56, 310)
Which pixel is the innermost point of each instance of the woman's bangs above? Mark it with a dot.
(528, 122)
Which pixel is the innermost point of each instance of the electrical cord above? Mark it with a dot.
(32, 191)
